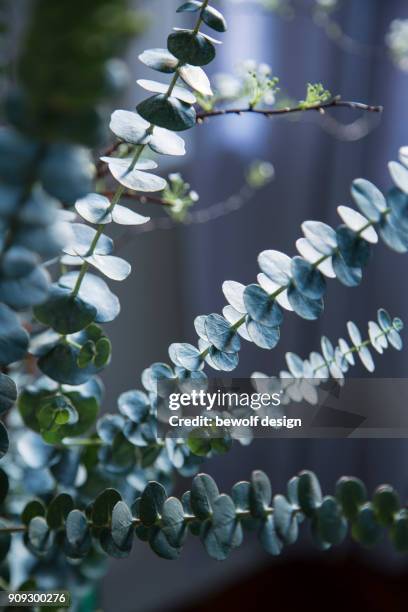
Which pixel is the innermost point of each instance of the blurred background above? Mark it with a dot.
(178, 273)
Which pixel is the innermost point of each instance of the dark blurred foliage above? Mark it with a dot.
(67, 67)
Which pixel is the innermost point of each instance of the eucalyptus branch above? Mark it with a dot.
(201, 116)
(136, 156)
(220, 519)
(273, 112)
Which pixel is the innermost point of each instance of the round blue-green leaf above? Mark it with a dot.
(285, 519)
(260, 494)
(220, 360)
(234, 294)
(45, 241)
(321, 236)
(83, 237)
(365, 528)
(122, 525)
(399, 531)
(240, 495)
(23, 292)
(108, 426)
(262, 335)
(394, 339)
(13, 337)
(377, 337)
(268, 536)
(159, 59)
(58, 510)
(185, 355)
(345, 351)
(309, 492)
(39, 535)
(17, 155)
(331, 525)
(199, 441)
(214, 19)
(33, 508)
(61, 364)
(399, 175)
(65, 312)
(157, 373)
(126, 216)
(191, 48)
(221, 335)
(77, 530)
(110, 547)
(167, 112)
(308, 279)
(368, 198)
(224, 520)
(358, 223)
(134, 404)
(238, 320)
(196, 78)
(355, 250)
(188, 381)
(86, 354)
(351, 277)
(94, 291)
(351, 493)
(161, 546)
(276, 265)
(94, 208)
(130, 127)
(303, 306)
(327, 348)
(295, 365)
(67, 172)
(181, 93)
(354, 333)
(102, 507)
(393, 236)
(261, 307)
(166, 142)
(18, 262)
(398, 202)
(366, 358)
(397, 324)
(112, 267)
(151, 503)
(135, 178)
(386, 503)
(173, 524)
(384, 319)
(204, 491)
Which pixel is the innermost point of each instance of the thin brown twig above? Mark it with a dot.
(271, 112)
(335, 102)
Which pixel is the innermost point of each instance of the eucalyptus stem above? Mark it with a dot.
(138, 152)
(353, 349)
(335, 102)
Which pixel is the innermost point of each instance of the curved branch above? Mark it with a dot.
(271, 112)
(336, 102)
